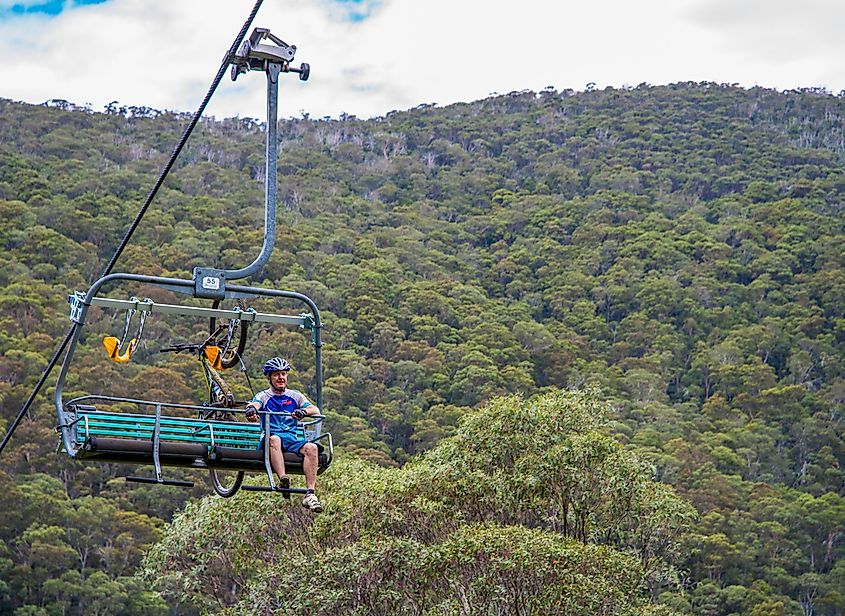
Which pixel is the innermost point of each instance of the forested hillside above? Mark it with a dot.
(677, 252)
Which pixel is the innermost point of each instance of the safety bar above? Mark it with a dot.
(80, 309)
(176, 405)
(193, 407)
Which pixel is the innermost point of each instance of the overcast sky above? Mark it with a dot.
(369, 57)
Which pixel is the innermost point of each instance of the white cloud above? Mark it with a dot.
(163, 54)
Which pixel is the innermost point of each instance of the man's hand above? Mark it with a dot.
(251, 414)
(298, 414)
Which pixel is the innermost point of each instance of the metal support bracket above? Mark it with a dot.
(156, 460)
(156, 441)
(209, 283)
(265, 421)
(77, 307)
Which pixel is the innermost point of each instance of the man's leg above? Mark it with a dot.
(277, 459)
(309, 453)
(309, 465)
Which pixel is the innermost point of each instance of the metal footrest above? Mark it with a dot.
(269, 489)
(166, 482)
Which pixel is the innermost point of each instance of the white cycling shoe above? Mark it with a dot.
(311, 503)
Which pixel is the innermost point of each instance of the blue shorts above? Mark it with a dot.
(291, 441)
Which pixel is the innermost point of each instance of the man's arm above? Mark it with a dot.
(305, 404)
(310, 409)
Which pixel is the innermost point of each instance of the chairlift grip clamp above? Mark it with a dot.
(255, 56)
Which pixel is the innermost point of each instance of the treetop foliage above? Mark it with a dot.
(680, 247)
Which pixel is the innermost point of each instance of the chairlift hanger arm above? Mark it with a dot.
(273, 59)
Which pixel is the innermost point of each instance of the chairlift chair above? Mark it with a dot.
(96, 428)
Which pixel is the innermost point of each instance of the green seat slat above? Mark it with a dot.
(146, 437)
(231, 436)
(187, 434)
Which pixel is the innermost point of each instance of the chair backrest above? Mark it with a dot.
(91, 422)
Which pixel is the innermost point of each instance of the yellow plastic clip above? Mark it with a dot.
(112, 345)
(212, 354)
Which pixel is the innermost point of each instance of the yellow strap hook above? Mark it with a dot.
(112, 344)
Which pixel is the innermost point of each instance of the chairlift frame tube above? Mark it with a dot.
(79, 319)
(148, 306)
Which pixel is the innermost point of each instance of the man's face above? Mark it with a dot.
(279, 380)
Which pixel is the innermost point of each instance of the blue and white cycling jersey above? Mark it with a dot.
(286, 402)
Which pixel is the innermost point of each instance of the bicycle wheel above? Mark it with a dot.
(230, 359)
(225, 483)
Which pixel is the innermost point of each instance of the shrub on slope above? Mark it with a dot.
(528, 508)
